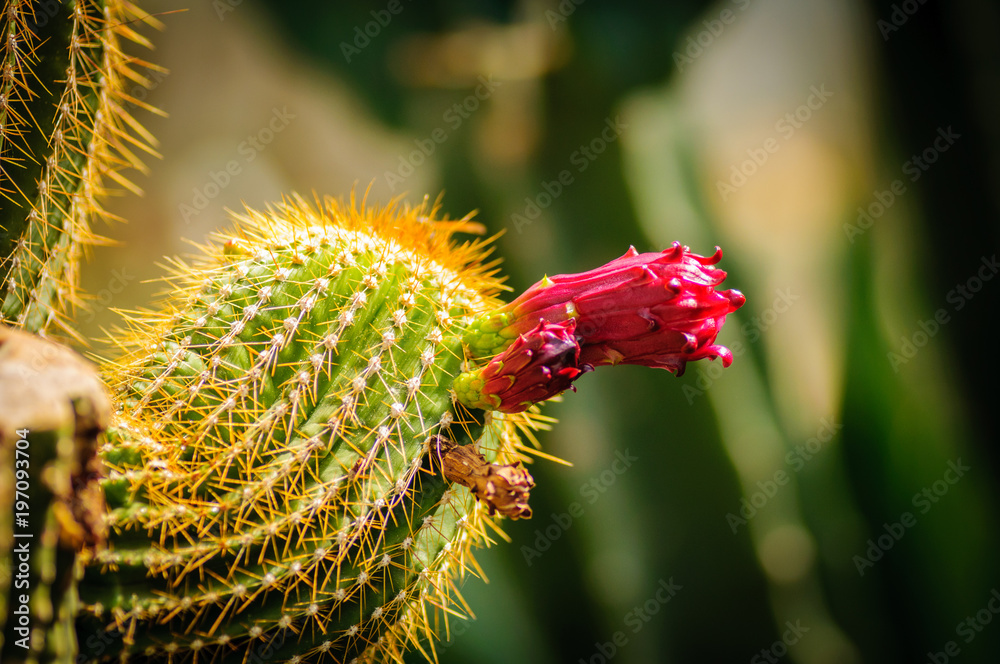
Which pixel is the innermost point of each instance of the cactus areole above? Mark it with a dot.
(309, 440)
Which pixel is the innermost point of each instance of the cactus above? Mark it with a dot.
(277, 462)
(316, 428)
(65, 134)
(65, 138)
(52, 407)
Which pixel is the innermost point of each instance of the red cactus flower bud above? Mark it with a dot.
(538, 365)
(654, 309)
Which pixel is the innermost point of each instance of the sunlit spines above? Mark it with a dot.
(284, 488)
(67, 136)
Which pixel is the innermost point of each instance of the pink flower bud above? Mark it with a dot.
(538, 365)
(654, 309)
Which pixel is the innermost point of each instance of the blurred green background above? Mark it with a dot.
(832, 496)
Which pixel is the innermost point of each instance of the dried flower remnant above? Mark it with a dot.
(503, 488)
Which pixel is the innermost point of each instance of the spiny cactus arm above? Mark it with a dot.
(378, 582)
(52, 408)
(35, 55)
(269, 469)
(65, 133)
(48, 131)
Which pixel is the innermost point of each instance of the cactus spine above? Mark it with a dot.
(276, 470)
(65, 133)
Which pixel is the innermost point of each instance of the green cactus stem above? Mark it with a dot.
(282, 461)
(51, 506)
(65, 136)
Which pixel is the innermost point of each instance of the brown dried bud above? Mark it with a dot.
(504, 488)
